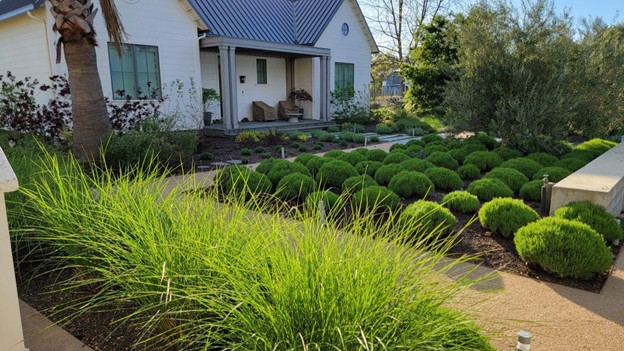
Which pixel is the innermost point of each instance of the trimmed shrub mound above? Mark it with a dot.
(526, 166)
(417, 165)
(427, 218)
(415, 151)
(443, 159)
(334, 153)
(295, 186)
(385, 173)
(376, 155)
(430, 138)
(555, 174)
(333, 202)
(473, 145)
(375, 199)
(358, 182)
(334, 173)
(506, 153)
(563, 247)
(368, 167)
(265, 166)
(459, 154)
(484, 160)
(411, 184)
(444, 178)
(431, 148)
(505, 216)
(395, 157)
(486, 140)
(304, 158)
(594, 216)
(596, 146)
(361, 151)
(461, 201)
(396, 147)
(489, 188)
(544, 159)
(315, 164)
(571, 164)
(532, 190)
(512, 177)
(282, 168)
(352, 157)
(415, 142)
(584, 155)
(469, 172)
(241, 181)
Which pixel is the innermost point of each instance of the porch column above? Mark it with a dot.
(233, 87)
(325, 86)
(225, 89)
(290, 75)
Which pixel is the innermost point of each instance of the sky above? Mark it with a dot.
(607, 9)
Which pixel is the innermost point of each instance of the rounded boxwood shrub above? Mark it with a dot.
(461, 201)
(415, 151)
(240, 180)
(489, 188)
(395, 157)
(473, 145)
(512, 177)
(484, 160)
(443, 159)
(444, 178)
(596, 146)
(282, 168)
(352, 157)
(361, 150)
(555, 174)
(486, 140)
(375, 199)
(385, 173)
(563, 247)
(431, 148)
(368, 167)
(333, 202)
(469, 172)
(334, 153)
(571, 164)
(423, 218)
(315, 163)
(544, 159)
(376, 155)
(506, 153)
(526, 166)
(532, 190)
(295, 186)
(431, 138)
(417, 165)
(415, 142)
(304, 158)
(396, 147)
(459, 154)
(411, 184)
(584, 155)
(594, 216)
(265, 166)
(505, 216)
(334, 173)
(358, 182)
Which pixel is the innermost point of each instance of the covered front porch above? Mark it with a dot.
(243, 71)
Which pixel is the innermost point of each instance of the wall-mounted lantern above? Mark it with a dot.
(242, 79)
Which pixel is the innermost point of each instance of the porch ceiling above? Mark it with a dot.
(263, 47)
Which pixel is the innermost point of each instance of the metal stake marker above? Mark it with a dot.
(283, 152)
(366, 140)
(322, 212)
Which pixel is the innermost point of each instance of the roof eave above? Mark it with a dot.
(311, 51)
(21, 10)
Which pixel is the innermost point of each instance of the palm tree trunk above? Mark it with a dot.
(91, 122)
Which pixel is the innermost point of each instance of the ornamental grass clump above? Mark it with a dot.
(555, 174)
(513, 178)
(505, 216)
(334, 173)
(526, 166)
(484, 160)
(594, 216)
(563, 247)
(410, 184)
(444, 178)
(469, 172)
(461, 201)
(532, 190)
(424, 217)
(384, 174)
(443, 159)
(488, 188)
(333, 204)
(202, 274)
(368, 167)
(295, 186)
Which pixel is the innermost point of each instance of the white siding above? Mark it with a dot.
(210, 78)
(167, 25)
(353, 48)
(23, 49)
(271, 93)
(304, 80)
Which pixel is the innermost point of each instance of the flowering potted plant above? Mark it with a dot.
(299, 95)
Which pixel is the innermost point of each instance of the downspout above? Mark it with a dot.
(47, 41)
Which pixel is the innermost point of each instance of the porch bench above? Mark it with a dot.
(601, 182)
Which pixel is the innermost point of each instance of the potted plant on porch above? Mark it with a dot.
(209, 96)
(299, 95)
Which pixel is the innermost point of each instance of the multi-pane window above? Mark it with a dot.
(261, 69)
(136, 73)
(344, 73)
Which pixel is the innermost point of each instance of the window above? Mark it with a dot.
(344, 77)
(136, 73)
(261, 68)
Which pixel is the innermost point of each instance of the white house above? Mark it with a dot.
(247, 50)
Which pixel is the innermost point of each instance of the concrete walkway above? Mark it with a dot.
(559, 317)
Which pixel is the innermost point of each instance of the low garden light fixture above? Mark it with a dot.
(524, 341)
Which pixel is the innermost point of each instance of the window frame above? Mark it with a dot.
(341, 79)
(264, 79)
(112, 50)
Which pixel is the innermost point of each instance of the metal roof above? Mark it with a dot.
(11, 8)
(282, 21)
